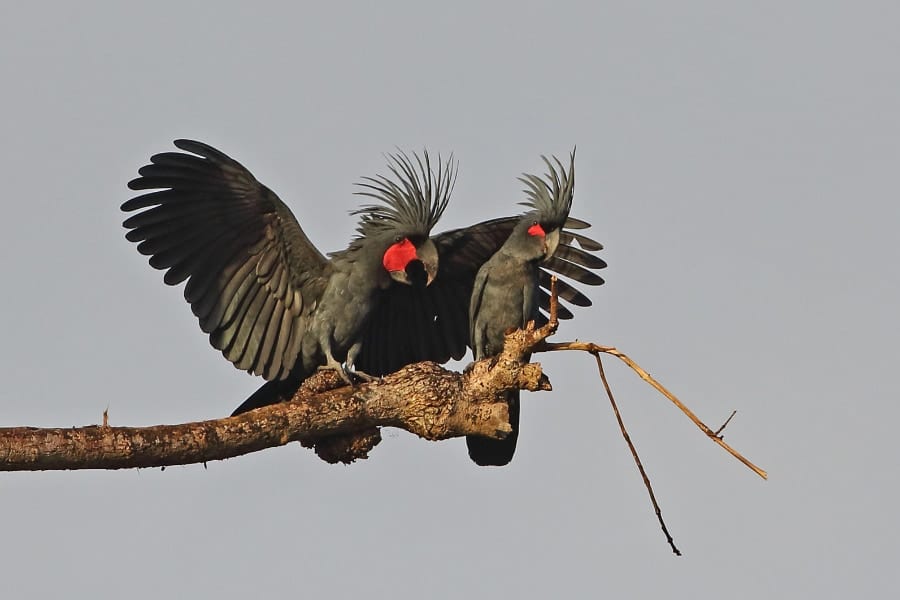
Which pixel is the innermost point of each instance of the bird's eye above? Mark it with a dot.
(398, 239)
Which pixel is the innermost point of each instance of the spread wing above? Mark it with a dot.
(412, 324)
(253, 277)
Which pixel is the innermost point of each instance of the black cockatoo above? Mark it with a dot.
(414, 323)
(275, 306)
(507, 287)
(269, 300)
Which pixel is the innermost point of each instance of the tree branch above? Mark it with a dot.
(423, 398)
(340, 421)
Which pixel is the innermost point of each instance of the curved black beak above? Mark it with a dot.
(416, 275)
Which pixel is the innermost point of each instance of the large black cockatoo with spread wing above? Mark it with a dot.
(507, 288)
(269, 300)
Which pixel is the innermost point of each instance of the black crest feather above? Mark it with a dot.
(551, 197)
(413, 201)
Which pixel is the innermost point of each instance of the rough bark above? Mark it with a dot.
(340, 421)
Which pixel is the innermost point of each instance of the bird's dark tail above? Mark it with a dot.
(488, 452)
(271, 392)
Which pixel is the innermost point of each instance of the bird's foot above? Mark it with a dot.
(349, 376)
(341, 370)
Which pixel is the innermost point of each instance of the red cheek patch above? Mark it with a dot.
(536, 229)
(398, 255)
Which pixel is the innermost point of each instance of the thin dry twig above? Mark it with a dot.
(596, 350)
(725, 424)
(637, 459)
(553, 323)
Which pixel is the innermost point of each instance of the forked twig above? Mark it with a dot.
(596, 350)
(637, 459)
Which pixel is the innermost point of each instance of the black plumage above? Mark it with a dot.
(414, 323)
(269, 300)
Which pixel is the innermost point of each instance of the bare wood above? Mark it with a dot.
(596, 350)
(424, 398)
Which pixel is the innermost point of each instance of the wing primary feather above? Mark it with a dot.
(255, 324)
(565, 291)
(241, 326)
(230, 297)
(573, 223)
(580, 257)
(211, 269)
(572, 271)
(585, 242)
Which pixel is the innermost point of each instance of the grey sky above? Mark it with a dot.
(739, 162)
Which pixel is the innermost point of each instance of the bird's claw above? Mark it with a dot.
(365, 376)
(349, 376)
(340, 371)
